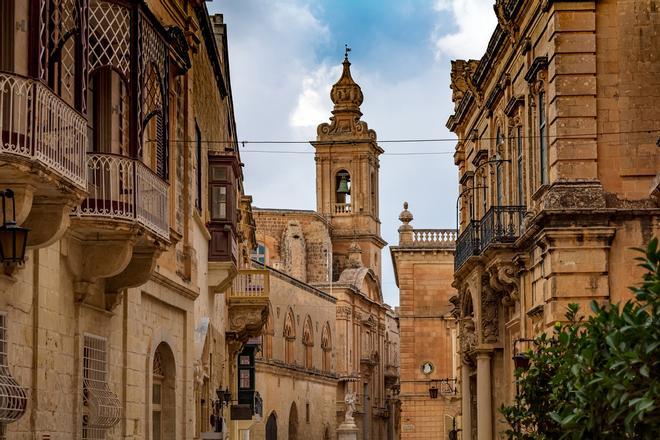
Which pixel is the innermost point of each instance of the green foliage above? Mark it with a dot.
(599, 377)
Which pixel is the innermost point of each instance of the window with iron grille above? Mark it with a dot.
(101, 407)
(13, 399)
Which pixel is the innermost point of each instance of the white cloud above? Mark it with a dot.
(475, 21)
(313, 105)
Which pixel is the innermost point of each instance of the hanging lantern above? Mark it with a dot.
(520, 360)
(433, 391)
(13, 238)
(343, 186)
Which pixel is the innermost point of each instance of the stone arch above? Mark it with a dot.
(308, 341)
(342, 176)
(326, 346)
(289, 334)
(269, 332)
(163, 393)
(293, 422)
(271, 426)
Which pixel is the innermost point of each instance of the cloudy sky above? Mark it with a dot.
(286, 54)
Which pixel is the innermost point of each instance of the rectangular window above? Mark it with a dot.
(484, 195)
(498, 177)
(198, 162)
(307, 413)
(95, 364)
(219, 203)
(244, 379)
(219, 173)
(543, 141)
(519, 158)
(244, 360)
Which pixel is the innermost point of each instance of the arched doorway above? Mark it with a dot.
(271, 427)
(293, 422)
(163, 403)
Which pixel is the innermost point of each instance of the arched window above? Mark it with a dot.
(289, 338)
(163, 404)
(326, 347)
(267, 351)
(308, 342)
(342, 192)
(259, 253)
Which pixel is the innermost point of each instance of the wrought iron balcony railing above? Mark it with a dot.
(501, 224)
(37, 124)
(123, 188)
(467, 244)
(250, 283)
(434, 238)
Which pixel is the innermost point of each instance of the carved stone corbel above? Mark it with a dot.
(504, 279)
(489, 312)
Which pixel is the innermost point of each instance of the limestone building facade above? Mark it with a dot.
(335, 250)
(131, 305)
(558, 164)
(423, 263)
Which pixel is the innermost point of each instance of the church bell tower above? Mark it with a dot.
(347, 167)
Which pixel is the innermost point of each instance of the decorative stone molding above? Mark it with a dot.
(467, 339)
(504, 279)
(344, 312)
(574, 195)
(489, 312)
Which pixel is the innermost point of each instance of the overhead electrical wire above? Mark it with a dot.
(243, 143)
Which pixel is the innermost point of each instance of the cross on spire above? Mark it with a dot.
(346, 51)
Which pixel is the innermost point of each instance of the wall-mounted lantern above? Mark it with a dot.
(520, 360)
(446, 387)
(13, 238)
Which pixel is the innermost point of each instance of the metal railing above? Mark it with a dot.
(123, 188)
(250, 283)
(37, 124)
(501, 224)
(467, 244)
(434, 237)
(343, 208)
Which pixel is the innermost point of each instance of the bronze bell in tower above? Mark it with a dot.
(343, 186)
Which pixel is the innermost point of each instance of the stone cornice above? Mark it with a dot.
(539, 63)
(461, 111)
(278, 368)
(164, 281)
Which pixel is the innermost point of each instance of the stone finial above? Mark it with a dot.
(405, 230)
(354, 255)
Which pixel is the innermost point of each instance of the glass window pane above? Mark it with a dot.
(156, 394)
(219, 202)
(155, 425)
(244, 379)
(218, 172)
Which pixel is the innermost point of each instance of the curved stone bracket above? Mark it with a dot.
(48, 221)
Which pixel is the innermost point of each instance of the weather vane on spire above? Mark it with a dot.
(346, 51)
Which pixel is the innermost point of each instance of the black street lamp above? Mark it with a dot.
(13, 238)
(520, 360)
(223, 399)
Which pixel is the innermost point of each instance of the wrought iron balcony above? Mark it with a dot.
(444, 238)
(38, 125)
(125, 189)
(467, 244)
(501, 224)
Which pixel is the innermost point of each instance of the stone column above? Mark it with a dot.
(484, 398)
(466, 419)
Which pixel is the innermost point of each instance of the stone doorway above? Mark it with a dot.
(293, 422)
(271, 427)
